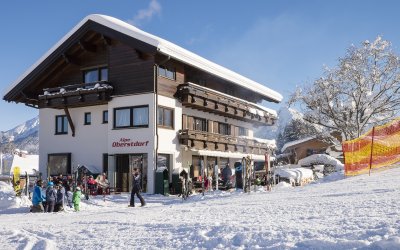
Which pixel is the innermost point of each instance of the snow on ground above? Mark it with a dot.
(361, 212)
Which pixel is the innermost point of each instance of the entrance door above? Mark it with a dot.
(124, 165)
(139, 161)
(122, 173)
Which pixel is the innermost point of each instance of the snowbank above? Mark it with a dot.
(8, 199)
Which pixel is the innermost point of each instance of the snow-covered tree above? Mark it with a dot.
(363, 90)
(296, 129)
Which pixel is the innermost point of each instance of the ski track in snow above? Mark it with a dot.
(353, 213)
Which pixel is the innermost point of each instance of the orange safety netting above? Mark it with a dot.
(379, 147)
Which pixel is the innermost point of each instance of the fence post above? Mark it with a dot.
(344, 160)
(372, 147)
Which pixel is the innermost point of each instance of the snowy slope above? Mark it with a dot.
(361, 212)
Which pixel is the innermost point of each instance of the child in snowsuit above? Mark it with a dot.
(76, 198)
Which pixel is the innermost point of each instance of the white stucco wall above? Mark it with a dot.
(88, 145)
(168, 138)
(141, 135)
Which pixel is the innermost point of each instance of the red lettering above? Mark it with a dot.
(124, 142)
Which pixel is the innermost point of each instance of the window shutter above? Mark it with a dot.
(184, 122)
(210, 126)
(215, 127)
(236, 131)
(191, 123)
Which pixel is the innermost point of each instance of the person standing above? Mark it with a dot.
(136, 189)
(38, 198)
(60, 197)
(51, 197)
(76, 198)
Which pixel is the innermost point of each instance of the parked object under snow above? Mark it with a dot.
(321, 159)
(295, 176)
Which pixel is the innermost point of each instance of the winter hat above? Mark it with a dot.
(78, 189)
(50, 183)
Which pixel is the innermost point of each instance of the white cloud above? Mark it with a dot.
(147, 14)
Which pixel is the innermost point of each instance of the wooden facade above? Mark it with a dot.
(205, 99)
(301, 150)
(200, 140)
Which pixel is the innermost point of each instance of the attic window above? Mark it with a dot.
(95, 75)
(167, 72)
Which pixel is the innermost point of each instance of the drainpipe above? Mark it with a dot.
(156, 105)
(156, 111)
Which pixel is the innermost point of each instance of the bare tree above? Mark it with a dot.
(360, 92)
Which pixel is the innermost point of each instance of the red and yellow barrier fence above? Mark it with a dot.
(379, 147)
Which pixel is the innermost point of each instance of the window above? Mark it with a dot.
(200, 124)
(167, 72)
(105, 163)
(59, 164)
(95, 75)
(163, 161)
(242, 131)
(224, 129)
(105, 116)
(88, 118)
(131, 117)
(61, 124)
(165, 117)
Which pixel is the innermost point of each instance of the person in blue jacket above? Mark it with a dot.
(38, 198)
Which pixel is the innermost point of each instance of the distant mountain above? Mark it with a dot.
(24, 137)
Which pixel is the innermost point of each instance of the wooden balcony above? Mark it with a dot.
(77, 95)
(203, 140)
(208, 100)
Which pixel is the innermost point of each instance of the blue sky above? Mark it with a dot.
(281, 44)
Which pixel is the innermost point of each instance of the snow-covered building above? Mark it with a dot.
(115, 97)
(296, 150)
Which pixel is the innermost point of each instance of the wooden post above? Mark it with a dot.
(344, 160)
(372, 147)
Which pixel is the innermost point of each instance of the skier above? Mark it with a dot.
(76, 198)
(38, 198)
(136, 189)
(51, 197)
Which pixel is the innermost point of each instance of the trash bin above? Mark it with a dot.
(176, 181)
(162, 182)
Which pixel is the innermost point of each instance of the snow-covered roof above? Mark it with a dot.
(164, 47)
(26, 163)
(292, 143)
(321, 158)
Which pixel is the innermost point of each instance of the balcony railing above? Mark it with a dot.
(204, 140)
(76, 95)
(208, 100)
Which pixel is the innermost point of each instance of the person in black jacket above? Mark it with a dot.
(136, 189)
